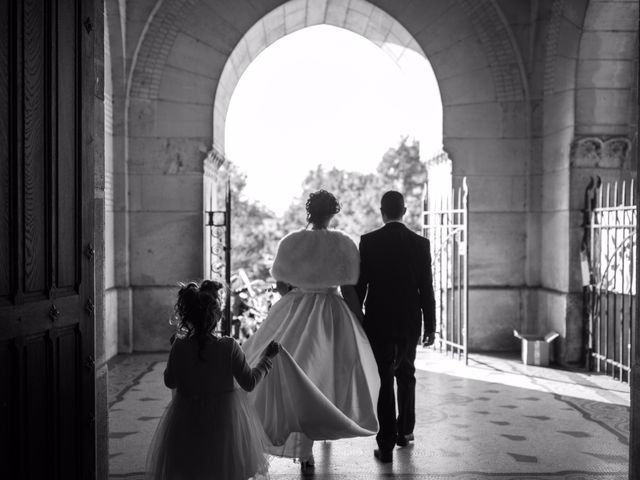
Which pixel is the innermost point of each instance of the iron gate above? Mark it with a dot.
(218, 253)
(609, 276)
(446, 225)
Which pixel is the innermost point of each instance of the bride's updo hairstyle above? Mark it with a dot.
(198, 310)
(321, 206)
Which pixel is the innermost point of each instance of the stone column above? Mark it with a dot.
(101, 371)
(634, 441)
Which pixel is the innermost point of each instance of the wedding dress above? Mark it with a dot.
(324, 384)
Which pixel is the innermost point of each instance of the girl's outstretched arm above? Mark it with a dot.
(246, 376)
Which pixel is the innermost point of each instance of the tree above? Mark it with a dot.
(356, 192)
(254, 229)
(402, 170)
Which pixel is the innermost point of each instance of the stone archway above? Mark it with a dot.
(194, 51)
(362, 18)
(514, 102)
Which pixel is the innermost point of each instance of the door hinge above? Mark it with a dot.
(54, 313)
(89, 307)
(88, 26)
(89, 363)
(89, 252)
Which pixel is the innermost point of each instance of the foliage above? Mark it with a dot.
(357, 193)
(256, 230)
(402, 170)
(251, 303)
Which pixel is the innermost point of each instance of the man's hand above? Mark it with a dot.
(428, 339)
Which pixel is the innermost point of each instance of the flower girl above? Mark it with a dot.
(209, 430)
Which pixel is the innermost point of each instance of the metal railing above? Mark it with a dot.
(446, 225)
(609, 276)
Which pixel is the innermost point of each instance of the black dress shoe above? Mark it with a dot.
(403, 440)
(307, 468)
(385, 456)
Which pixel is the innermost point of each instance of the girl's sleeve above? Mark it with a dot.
(246, 376)
(170, 377)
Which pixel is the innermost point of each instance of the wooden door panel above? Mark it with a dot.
(67, 207)
(34, 161)
(34, 403)
(5, 173)
(67, 361)
(8, 406)
(46, 223)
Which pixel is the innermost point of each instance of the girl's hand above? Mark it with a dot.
(272, 349)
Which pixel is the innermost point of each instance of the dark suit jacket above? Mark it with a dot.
(395, 276)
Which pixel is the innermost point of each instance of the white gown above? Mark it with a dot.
(324, 384)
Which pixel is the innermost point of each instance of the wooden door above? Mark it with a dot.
(46, 225)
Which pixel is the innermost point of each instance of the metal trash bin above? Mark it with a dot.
(535, 348)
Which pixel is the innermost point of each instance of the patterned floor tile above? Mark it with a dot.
(557, 430)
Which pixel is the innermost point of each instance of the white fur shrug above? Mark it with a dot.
(317, 259)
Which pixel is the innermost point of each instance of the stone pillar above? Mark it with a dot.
(634, 441)
(101, 336)
(117, 294)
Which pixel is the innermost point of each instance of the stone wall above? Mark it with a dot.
(188, 55)
(569, 102)
(523, 84)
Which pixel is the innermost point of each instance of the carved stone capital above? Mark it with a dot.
(437, 159)
(603, 152)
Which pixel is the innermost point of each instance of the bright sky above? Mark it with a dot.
(325, 95)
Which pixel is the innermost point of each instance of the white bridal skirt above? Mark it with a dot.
(324, 383)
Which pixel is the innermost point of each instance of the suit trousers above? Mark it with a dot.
(395, 358)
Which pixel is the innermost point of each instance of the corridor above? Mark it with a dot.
(495, 419)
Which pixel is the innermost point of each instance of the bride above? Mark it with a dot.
(325, 382)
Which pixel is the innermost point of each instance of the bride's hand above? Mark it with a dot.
(282, 288)
(272, 349)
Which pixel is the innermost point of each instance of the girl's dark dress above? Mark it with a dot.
(209, 430)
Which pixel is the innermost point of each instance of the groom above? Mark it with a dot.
(395, 276)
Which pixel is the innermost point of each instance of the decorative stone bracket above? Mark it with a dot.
(600, 152)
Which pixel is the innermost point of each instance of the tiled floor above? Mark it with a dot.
(493, 419)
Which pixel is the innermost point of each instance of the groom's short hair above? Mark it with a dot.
(392, 204)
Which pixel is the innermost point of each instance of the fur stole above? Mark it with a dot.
(317, 259)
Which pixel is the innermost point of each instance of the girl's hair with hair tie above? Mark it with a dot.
(321, 205)
(198, 309)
